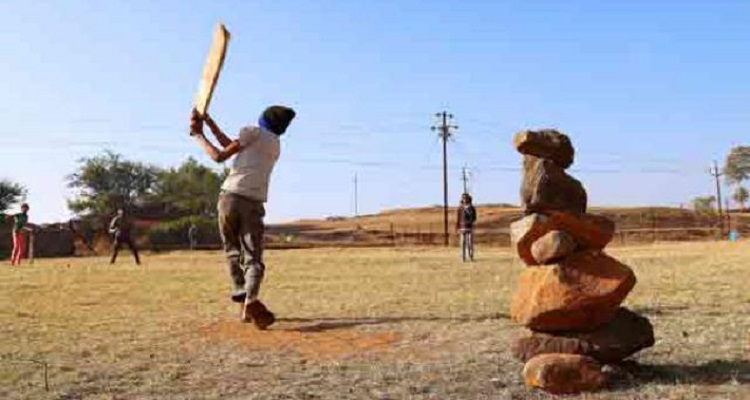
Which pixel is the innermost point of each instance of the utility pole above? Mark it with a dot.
(465, 176)
(444, 132)
(356, 196)
(716, 174)
(728, 214)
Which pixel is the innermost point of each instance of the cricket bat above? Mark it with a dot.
(211, 69)
(31, 247)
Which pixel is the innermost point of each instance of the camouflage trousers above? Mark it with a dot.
(241, 227)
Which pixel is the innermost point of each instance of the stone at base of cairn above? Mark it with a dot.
(564, 373)
(624, 336)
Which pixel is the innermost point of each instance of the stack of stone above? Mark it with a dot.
(570, 292)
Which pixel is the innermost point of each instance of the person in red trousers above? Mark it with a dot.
(20, 221)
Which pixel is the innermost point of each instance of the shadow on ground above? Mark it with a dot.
(660, 310)
(326, 324)
(715, 372)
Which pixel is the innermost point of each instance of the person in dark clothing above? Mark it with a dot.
(193, 236)
(465, 220)
(121, 229)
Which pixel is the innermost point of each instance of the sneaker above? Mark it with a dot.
(257, 313)
(239, 295)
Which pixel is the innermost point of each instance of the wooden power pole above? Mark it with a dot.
(465, 177)
(716, 174)
(356, 196)
(444, 132)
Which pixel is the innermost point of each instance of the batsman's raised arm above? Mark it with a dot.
(196, 131)
(223, 139)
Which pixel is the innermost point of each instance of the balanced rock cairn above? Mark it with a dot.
(570, 292)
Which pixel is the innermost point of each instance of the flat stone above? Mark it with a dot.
(548, 144)
(622, 337)
(589, 231)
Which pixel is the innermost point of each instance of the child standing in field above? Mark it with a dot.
(241, 202)
(20, 222)
(466, 217)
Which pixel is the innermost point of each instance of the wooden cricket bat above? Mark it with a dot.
(212, 69)
(31, 247)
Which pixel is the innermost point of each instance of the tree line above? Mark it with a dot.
(736, 172)
(106, 182)
(174, 198)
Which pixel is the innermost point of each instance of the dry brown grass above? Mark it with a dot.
(355, 323)
(636, 225)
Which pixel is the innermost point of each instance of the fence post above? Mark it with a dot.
(393, 236)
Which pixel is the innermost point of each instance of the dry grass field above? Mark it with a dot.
(404, 323)
(411, 226)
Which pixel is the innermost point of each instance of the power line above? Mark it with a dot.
(185, 149)
(444, 131)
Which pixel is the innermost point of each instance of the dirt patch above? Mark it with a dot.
(319, 340)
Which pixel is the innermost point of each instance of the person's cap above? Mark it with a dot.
(278, 118)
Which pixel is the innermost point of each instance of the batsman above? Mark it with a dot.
(241, 202)
(245, 190)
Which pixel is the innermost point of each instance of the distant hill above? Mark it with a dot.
(424, 225)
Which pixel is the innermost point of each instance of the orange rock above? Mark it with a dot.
(564, 373)
(553, 246)
(589, 231)
(625, 335)
(545, 187)
(580, 293)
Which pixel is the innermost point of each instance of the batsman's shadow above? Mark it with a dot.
(327, 324)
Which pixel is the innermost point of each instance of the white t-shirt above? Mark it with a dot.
(251, 171)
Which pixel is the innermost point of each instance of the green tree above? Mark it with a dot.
(107, 182)
(10, 193)
(741, 196)
(704, 204)
(737, 167)
(190, 189)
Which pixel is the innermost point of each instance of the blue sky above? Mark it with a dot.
(650, 93)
